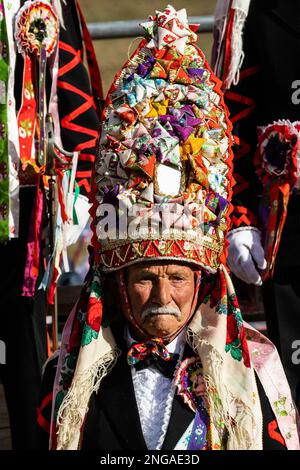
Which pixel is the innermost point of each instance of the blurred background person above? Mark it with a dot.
(25, 214)
(256, 50)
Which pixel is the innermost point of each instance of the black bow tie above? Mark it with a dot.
(152, 352)
(167, 368)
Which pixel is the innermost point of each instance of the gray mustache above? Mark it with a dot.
(164, 310)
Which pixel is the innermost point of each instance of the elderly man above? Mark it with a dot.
(155, 355)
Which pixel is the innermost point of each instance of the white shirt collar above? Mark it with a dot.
(154, 394)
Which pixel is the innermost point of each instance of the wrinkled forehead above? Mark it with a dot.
(160, 268)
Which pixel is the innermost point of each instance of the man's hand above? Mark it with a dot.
(246, 254)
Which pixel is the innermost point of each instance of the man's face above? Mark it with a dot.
(161, 297)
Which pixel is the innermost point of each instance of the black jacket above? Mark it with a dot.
(113, 423)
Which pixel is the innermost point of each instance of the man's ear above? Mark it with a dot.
(195, 305)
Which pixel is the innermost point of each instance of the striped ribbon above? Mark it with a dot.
(4, 168)
(11, 9)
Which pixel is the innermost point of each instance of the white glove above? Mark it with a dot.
(246, 254)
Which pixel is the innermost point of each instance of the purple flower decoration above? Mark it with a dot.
(182, 131)
(216, 204)
(169, 129)
(195, 73)
(182, 120)
(146, 67)
(156, 132)
(130, 77)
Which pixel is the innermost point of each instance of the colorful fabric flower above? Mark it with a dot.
(169, 28)
(94, 316)
(157, 108)
(278, 145)
(36, 28)
(138, 89)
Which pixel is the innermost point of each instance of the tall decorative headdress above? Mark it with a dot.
(162, 187)
(164, 154)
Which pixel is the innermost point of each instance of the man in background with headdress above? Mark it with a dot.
(24, 213)
(256, 50)
(155, 355)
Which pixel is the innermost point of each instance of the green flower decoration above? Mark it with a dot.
(280, 407)
(235, 349)
(96, 288)
(88, 335)
(222, 307)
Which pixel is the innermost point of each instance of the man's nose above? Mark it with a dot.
(161, 292)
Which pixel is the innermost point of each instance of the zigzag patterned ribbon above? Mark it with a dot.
(242, 215)
(78, 107)
(36, 36)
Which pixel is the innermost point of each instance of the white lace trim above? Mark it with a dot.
(154, 396)
(169, 404)
(151, 390)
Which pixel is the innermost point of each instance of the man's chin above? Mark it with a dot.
(162, 327)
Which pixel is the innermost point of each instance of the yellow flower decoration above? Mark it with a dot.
(192, 146)
(157, 108)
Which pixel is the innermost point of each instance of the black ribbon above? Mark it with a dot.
(165, 367)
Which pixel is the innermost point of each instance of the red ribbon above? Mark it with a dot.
(33, 245)
(27, 113)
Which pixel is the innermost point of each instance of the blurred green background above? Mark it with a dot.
(112, 54)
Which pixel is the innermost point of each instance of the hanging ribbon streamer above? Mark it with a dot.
(74, 213)
(4, 173)
(11, 9)
(27, 120)
(190, 385)
(55, 270)
(198, 439)
(78, 107)
(33, 245)
(53, 100)
(42, 107)
(65, 182)
(36, 37)
(36, 33)
(71, 203)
